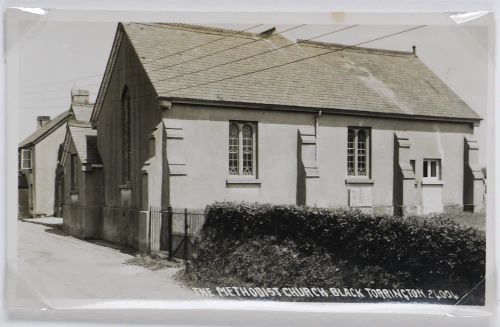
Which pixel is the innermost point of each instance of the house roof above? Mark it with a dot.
(45, 130)
(85, 141)
(354, 79)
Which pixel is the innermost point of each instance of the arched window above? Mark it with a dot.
(361, 152)
(126, 124)
(350, 152)
(358, 153)
(247, 150)
(242, 149)
(234, 147)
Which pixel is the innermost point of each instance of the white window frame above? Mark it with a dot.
(429, 170)
(240, 125)
(368, 132)
(23, 158)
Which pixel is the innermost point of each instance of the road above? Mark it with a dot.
(54, 266)
(59, 271)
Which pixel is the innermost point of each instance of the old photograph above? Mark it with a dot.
(340, 163)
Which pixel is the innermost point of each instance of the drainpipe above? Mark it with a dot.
(316, 126)
(316, 122)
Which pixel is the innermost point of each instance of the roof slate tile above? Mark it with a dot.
(356, 79)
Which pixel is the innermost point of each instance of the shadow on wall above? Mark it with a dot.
(23, 197)
(301, 179)
(397, 189)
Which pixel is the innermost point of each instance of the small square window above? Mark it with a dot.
(432, 169)
(26, 159)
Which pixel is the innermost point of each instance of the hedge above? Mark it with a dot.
(426, 248)
(264, 262)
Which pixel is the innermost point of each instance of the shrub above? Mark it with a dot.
(426, 249)
(265, 262)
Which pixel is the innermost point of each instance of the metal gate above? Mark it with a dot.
(174, 231)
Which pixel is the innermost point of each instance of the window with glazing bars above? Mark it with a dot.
(25, 159)
(242, 149)
(358, 154)
(431, 169)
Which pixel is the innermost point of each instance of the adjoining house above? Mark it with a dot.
(79, 171)
(37, 167)
(81, 168)
(255, 117)
(39, 182)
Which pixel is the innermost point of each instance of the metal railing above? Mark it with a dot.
(174, 231)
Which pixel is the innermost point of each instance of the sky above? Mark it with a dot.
(55, 57)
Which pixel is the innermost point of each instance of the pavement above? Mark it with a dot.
(55, 269)
(47, 221)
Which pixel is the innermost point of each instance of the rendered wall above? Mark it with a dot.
(205, 146)
(429, 140)
(45, 164)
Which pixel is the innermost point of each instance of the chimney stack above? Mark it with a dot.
(79, 97)
(42, 120)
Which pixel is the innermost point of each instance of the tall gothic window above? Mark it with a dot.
(74, 172)
(358, 154)
(248, 155)
(126, 137)
(242, 149)
(234, 150)
(350, 153)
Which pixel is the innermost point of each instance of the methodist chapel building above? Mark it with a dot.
(188, 115)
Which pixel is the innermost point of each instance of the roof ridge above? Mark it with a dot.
(219, 30)
(356, 48)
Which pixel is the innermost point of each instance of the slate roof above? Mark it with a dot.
(356, 80)
(85, 140)
(45, 130)
(82, 112)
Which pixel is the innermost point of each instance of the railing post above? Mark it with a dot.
(149, 230)
(170, 241)
(185, 232)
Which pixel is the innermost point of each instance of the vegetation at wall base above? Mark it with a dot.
(263, 245)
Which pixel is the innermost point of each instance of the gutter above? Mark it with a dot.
(320, 111)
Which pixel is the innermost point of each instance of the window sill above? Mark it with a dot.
(432, 182)
(359, 180)
(243, 180)
(125, 186)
